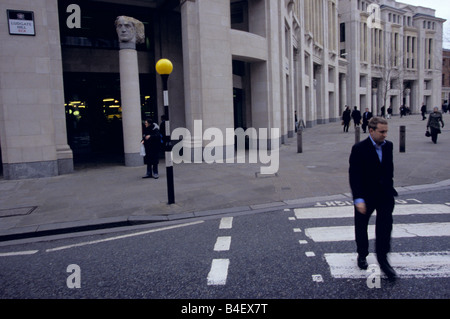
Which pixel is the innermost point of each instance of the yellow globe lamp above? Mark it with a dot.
(164, 67)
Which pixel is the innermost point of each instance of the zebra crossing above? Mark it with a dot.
(408, 264)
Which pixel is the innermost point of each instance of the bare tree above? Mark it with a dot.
(389, 70)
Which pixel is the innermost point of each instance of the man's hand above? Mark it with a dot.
(361, 208)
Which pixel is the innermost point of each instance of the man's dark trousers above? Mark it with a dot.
(383, 228)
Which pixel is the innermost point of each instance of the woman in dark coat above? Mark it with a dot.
(433, 124)
(152, 141)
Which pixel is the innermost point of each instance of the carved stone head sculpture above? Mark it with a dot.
(130, 31)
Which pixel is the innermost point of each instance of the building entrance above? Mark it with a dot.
(94, 116)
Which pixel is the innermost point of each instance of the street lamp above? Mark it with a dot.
(164, 67)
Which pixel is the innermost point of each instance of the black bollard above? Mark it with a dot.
(357, 134)
(299, 140)
(402, 139)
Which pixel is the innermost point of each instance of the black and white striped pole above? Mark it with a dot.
(164, 67)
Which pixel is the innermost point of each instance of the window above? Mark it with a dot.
(342, 32)
(239, 16)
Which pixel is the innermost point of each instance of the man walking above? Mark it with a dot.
(356, 116)
(423, 110)
(366, 118)
(371, 175)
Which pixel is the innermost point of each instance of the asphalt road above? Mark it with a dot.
(244, 256)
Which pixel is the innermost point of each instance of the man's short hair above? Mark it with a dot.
(374, 121)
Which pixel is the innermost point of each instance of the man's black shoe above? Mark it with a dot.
(362, 263)
(388, 270)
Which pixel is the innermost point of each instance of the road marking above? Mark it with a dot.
(346, 233)
(121, 237)
(407, 264)
(226, 223)
(348, 211)
(310, 254)
(297, 230)
(223, 243)
(219, 272)
(317, 278)
(19, 253)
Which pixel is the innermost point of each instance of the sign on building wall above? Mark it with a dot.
(21, 22)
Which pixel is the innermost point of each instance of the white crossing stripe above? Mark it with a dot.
(223, 243)
(219, 272)
(226, 223)
(346, 233)
(19, 253)
(348, 211)
(407, 264)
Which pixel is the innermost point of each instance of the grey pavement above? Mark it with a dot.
(114, 195)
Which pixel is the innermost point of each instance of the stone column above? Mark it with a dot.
(408, 98)
(130, 32)
(375, 102)
(342, 92)
(207, 67)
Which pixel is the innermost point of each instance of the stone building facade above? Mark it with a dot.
(395, 51)
(446, 76)
(237, 64)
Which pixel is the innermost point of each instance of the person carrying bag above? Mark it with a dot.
(434, 124)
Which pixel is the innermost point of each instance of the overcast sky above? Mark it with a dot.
(442, 8)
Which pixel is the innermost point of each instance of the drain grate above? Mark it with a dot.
(17, 211)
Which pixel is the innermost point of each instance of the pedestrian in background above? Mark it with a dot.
(346, 118)
(423, 109)
(434, 120)
(389, 112)
(356, 116)
(371, 175)
(152, 141)
(366, 118)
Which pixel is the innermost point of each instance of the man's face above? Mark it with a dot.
(379, 134)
